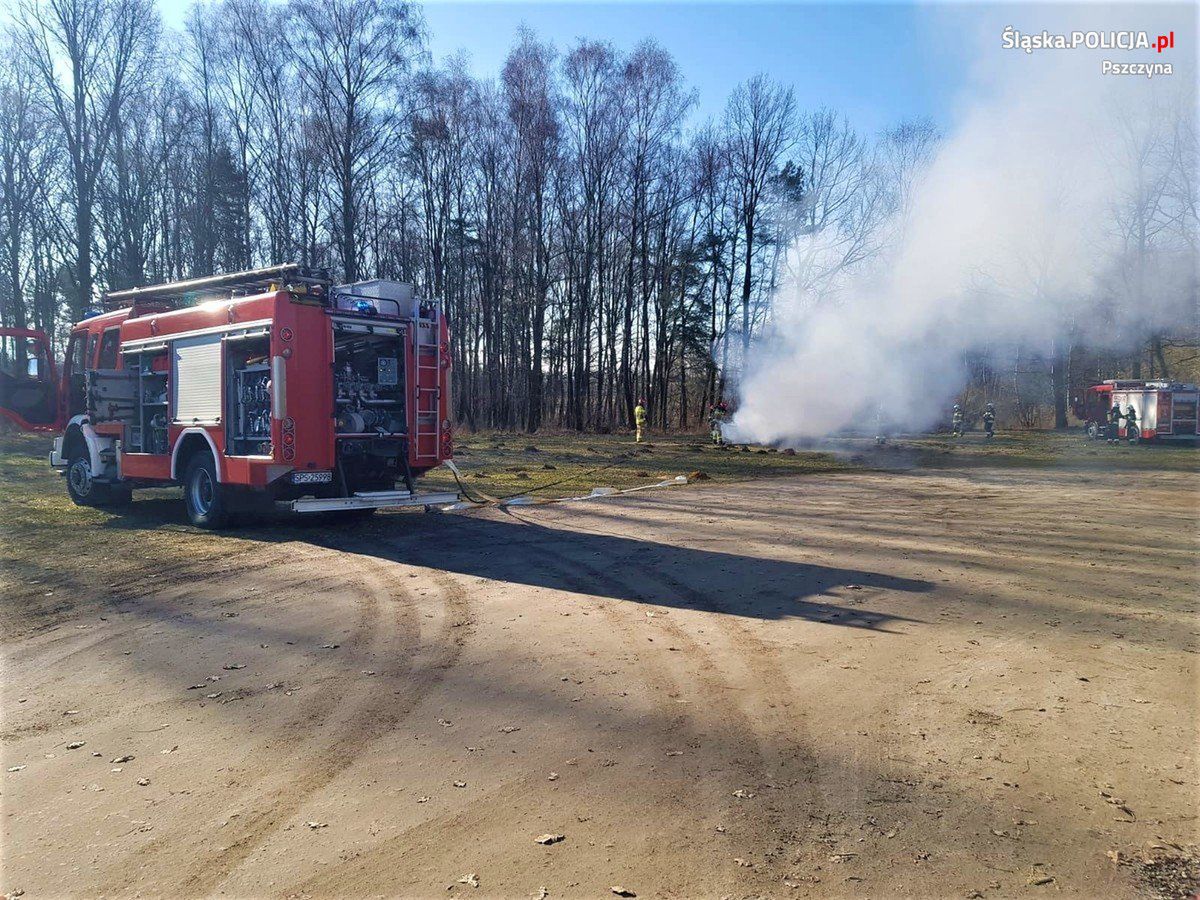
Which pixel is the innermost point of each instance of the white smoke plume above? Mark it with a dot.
(1016, 234)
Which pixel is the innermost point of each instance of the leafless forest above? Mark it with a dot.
(592, 242)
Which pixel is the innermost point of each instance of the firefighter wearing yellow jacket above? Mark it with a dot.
(639, 419)
(716, 418)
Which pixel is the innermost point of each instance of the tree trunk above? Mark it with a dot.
(83, 248)
(746, 284)
(1058, 377)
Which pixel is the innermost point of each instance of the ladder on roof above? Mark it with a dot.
(428, 432)
(230, 284)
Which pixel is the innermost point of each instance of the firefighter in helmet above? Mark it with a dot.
(957, 420)
(1132, 433)
(989, 421)
(639, 419)
(716, 417)
(1114, 423)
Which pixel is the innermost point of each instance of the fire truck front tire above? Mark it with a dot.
(84, 490)
(206, 500)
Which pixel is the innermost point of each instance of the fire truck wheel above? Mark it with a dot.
(83, 489)
(207, 504)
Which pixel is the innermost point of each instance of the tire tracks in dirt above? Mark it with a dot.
(705, 689)
(782, 745)
(306, 721)
(157, 602)
(368, 716)
(57, 653)
(548, 555)
(758, 714)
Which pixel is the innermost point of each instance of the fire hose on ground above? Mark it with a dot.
(476, 499)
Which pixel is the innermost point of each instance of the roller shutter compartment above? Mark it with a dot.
(196, 379)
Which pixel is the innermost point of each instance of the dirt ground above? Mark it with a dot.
(950, 682)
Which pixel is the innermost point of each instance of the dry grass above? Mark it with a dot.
(501, 464)
(54, 553)
(1026, 449)
(564, 464)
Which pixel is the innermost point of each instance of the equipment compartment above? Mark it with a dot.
(248, 395)
(148, 367)
(368, 384)
(370, 406)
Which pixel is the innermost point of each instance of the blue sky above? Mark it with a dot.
(878, 63)
(872, 61)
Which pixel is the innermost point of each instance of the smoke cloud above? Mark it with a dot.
(1015, 233)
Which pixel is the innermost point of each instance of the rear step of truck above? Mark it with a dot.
(370, 500)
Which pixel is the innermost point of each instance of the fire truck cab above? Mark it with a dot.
(260, 386)
(1166, 410)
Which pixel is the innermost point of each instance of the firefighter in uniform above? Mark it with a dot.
(989, 421)
(1114, 423)
(639, 419)
(716, 416)
(1132, 433)
(957, 420)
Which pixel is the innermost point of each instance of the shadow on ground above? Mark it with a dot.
(514, 550)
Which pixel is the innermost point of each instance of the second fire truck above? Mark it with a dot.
(1164, 410)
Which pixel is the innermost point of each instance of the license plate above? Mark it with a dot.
(312, 477)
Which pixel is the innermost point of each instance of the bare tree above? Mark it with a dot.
(760, 121)
(204, 60)
(530, 94)
(28, 154)
(594, 127)
(86, 53)
(1154, 218)
(355, 54)
(656, 103)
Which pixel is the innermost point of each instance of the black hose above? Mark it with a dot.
(539, 487)
(466, 491)
(486, 499)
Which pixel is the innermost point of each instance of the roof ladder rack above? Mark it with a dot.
(251, 281)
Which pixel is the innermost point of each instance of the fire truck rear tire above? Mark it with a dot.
(206, 499)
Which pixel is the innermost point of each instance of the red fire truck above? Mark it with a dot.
(1165, 410)
(267, 385)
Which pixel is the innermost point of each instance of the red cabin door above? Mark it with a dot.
(28, 380)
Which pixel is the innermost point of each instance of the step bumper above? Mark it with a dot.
(370, 500)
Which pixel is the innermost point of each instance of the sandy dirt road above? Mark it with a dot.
(866, 684)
